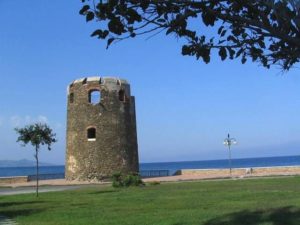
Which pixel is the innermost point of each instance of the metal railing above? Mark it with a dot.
(47, 176)
(154, 173)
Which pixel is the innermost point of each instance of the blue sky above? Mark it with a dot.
(185, 108)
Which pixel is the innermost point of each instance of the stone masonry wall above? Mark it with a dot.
(115, 146)
(242, 172)
(13, 180)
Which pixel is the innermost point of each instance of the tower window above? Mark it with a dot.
(71, 97)
(91, 134)
(94, 97)
(122, 95)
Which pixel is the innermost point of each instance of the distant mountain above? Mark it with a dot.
(21, 163)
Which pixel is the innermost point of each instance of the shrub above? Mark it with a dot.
(120, 180)
(117, 180)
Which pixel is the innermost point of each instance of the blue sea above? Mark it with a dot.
(172, 167)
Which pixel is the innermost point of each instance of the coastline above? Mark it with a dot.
(182, 175)
(172, 167)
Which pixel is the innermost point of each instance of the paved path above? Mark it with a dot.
(26, 190)
(6, 221)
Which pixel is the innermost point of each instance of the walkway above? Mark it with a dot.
(26, 190)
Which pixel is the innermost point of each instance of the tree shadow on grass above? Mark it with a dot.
(276, 216)
(9, 210)
(8, 204)
(103, 192)
(13, 213)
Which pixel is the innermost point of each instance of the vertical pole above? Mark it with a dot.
(229, 159)
(37, 172)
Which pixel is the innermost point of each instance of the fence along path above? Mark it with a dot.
(6, 221)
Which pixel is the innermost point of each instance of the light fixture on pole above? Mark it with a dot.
(228, 142)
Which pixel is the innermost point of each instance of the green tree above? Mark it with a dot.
(266, 31)
(36, 134)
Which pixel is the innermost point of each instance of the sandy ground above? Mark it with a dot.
(62, 182)
(201, 177)
(55, 182)
(186, 175)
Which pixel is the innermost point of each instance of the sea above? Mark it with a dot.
(172, 167)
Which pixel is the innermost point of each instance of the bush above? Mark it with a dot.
(117, 180)
(120, 180)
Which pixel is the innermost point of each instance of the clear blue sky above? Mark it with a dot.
(185, 108)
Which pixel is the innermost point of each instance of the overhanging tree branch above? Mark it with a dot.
(266, 31)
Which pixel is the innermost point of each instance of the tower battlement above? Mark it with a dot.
(112, 83)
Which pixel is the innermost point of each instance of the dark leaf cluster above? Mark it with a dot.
(36, 134)
(265, 31)
(126, 180)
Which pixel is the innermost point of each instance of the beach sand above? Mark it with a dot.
(184, 175)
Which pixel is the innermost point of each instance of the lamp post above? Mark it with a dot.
(228, 142)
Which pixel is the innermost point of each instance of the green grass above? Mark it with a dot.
(269, 201)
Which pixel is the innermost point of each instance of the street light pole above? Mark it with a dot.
(228, 142)
(229, 152)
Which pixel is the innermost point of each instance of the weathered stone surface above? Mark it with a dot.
(13, 180)
(115, 147)
(237, 172)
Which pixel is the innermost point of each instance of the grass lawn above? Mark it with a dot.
(268, 201)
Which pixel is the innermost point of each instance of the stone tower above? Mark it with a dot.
(101, 129)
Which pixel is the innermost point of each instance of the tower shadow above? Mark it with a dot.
(289, 215)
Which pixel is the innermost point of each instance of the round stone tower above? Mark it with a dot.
(101, 129)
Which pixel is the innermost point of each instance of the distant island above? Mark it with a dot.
(21, 163)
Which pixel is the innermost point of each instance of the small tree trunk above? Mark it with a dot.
(37, 171)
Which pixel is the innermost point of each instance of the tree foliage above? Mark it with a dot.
(36, 134)
(266, 31)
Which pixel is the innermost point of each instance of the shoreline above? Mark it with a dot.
(182, 175)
